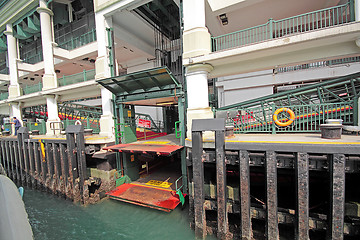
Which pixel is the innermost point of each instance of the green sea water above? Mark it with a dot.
(54, 218)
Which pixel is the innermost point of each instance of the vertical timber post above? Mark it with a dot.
(50, 180)
(221, 190)
(198, 126)
(37, 157)
(64, 169)
(76, 153)
(73, 174)
(272, 231)
(12, 159)
(246, 228)
(80, 145)
(17, 160)
(337, 197)
(57, 167)
(302, 196)
(198, 179)
(23, 134)
(32, 162)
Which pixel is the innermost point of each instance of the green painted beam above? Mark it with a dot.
(20, 33)
(3, 45)
(32, 26)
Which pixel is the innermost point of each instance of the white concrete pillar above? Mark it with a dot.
(53, 115)
(196, 37)
(49, 78)
(357, 10)
(14, 87)
(103, 71)
(15, 111)
(198, 94)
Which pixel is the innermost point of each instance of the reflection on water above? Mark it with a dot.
(52, 217)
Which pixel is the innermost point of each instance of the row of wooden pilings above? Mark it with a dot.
(338, 160)
(56, 165)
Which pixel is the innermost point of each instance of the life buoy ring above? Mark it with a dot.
(77, 122)
(284, 124)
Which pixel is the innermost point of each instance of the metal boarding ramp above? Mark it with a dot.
(159, 189)
(311, 104)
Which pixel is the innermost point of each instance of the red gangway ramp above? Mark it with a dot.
(146, 196)
(164, 199)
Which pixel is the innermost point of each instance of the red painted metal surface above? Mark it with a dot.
(156, 198)
(159, 149)
(148, 135)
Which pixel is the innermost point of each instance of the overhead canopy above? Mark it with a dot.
(151, 80)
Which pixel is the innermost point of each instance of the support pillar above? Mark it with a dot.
(49, 79)
(357, 10)
(14, 87)
(103, 70)
(196, 37)
(15, 111)
(198, 95)
(53, 121)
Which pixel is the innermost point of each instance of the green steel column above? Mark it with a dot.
(352, 10)
(181, 110)
(356, 111)
(43, 127)
(273, 129)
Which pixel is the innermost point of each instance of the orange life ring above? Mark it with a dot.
(284, 124)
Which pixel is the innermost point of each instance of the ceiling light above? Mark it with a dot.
(223, 18)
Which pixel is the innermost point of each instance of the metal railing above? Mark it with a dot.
(311, 104)
(40, 126)
(307, 117)
(32, 88)
(288, 26)
(79, 41)
(4, 71)
(77, 77)
(92, 123)
(321, 64)
(4, 96)
(37, 57)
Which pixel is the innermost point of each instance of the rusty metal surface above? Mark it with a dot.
(44, 163)
(222, 217)
(161, 199)
(162, 149)
(198, 180)
(337, 199)
(302, 189)
(31, 163)
(272, 231)
(245, 224)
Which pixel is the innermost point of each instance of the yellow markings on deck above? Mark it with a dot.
(275, 141)
(326, 143)
(141, 185)
(156, 142)
(157, 183)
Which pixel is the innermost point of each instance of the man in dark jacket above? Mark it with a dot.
(17, 125)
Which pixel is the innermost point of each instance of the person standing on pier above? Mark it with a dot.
(17, 125)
